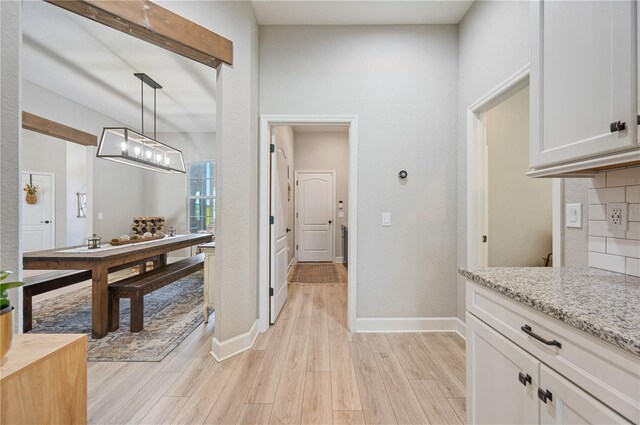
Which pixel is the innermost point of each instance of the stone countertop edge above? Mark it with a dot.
(538, 288)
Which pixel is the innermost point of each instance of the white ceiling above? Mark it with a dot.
(360, 12)
(93, 65)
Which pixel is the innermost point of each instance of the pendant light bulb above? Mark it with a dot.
(123, 146)
(136, 151)
(148, 154)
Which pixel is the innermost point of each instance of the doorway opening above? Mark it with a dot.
(500, 194)
(307, 205)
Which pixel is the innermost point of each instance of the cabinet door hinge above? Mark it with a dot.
(272, 220)
(272, 147)
(271, 292)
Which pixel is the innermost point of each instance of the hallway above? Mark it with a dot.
(306, 369)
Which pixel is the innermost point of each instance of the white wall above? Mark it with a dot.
(237, 159)
(327, 151)
(575, 239)
(520, 214)
(10, 134)
(285, 140)
(401, 83)
(493, 43)
(118, 189)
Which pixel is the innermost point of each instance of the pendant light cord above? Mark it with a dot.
(154, 112)
(142, 103)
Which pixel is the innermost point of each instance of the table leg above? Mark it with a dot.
(100, 303)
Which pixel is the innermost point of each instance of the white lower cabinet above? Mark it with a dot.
(502, 378)
(562, 402)
(507, 385)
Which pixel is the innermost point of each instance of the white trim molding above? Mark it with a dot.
(338, 260)
(477, 208)
(410, 324)
(236, 345)
(266, 122)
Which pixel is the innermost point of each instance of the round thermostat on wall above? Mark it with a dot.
(402, 174)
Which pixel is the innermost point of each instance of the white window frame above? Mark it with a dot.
(193, 197)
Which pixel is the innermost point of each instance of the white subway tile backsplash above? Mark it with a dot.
(597, 244)
(615, 250)
(596, 212)
(623, 177)
(624, 247)
(599, 228)
(633, 231)
(633, 267)
(633, 194)
(606, 195)
(614, 263)
(600, 180)
(634, 212)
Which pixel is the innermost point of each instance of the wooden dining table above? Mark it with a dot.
(100, 261)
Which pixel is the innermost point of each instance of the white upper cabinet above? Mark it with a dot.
(583, 81)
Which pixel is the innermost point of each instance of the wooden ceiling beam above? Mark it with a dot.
(55, 129)
(156, 25)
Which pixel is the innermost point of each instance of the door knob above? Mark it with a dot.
(288, 230)
(45, 221)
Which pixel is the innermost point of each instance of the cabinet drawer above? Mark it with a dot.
(568, 404)
(606, 372)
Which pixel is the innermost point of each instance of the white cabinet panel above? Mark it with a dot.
(583, 78)
(562, 402)
(502, 379)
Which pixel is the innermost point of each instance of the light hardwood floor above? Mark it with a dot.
(307, 369)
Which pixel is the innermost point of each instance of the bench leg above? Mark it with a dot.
(114, 313)
(137, 312)
(27, 310)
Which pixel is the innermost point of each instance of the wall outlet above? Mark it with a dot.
(617, 216)
(99, 216)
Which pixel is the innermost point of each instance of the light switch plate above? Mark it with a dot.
(386, 219)
(573, 214)
(617, 216)
(99, 216)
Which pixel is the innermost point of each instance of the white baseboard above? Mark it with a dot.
(236, 345)
(410, 324)
(339, 260)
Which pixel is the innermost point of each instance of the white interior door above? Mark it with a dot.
(314, 211)
(38, 231)
(279, 257)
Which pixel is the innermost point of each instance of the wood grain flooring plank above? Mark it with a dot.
(316, 404)
(414, 360)
(132, 413)
(379, 343)
(441, 369)
(228, 406)
(376, 405)
(456, 341)
(302, 324)
(198, 406)
(403, 400)
(434, 403)
(318, 358)
(348, 417)
(189, 379)
(287, 406)
(459, 406)
(447, 353)
(255, 414)
(164, 411)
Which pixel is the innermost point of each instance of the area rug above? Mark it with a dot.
(170, 315)
(314, 273)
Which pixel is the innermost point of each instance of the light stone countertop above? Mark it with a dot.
(600, 303)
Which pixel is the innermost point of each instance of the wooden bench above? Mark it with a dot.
(56, 279)
(136, 287)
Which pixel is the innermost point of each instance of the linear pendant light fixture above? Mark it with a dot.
(130, 147)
